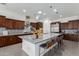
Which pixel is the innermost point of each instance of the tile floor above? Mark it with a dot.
(12, 50)
(69, 48)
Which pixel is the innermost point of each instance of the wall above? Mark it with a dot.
(62, 20)
(10, 14)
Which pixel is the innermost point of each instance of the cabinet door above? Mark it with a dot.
(72, 37)
(78, 25)
(14, 24)
(70, 25)
(62, 26)
(65, 25)
(2, 21)
(18, 24)
(6, 41)
(78, 37)
(11, 40)
(9, 24)
(75, 25)
(66, 37)
(1, 41)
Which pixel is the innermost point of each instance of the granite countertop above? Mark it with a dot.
(44, 37)
(17, 34)
(72, 33)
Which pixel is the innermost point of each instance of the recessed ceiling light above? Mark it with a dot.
(39, 12)
(55, 10)
(24, 10)
(37, 17)
(44, 13)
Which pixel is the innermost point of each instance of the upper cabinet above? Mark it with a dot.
(70, 25)
(14, 24)
(64, 25)
(11, 23)
(2, 21)
(18, 24)
(74, 24)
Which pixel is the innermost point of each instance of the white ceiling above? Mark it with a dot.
(64, 9)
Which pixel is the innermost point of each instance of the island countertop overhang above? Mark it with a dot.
(44, 37)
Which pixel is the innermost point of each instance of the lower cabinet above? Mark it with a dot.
(78, 37)
(71, 37)
(1, 41)
(9, 40)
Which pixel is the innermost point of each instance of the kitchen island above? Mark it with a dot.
(35, 46)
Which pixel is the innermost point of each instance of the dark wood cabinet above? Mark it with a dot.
(1, 41)
(71, 37)
(2, 21)
(64, 25)
(78, 37)
(14, 24)
(75, 25)
(66, 37)
(70, 25)
(9, 40)
(9, 24)
(18, 24)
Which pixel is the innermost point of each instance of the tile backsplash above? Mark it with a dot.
(15, 31)
(1, 30)
(70, 31)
